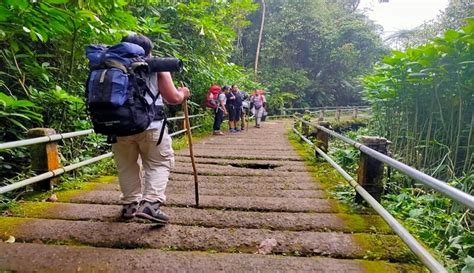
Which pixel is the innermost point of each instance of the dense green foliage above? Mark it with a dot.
(423, 101)
(438, 222)
(43, 65)
(313, 54)
(313, 49)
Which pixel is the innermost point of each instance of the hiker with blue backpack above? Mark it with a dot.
(126, 91)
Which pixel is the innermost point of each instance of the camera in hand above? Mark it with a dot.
(157, 64)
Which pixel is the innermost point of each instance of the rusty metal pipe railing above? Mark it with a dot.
(59, 171)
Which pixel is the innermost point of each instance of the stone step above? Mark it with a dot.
(249, 145)
(56, 258)
(223, 186)
(239, 180)
(242, 172)
(283, 156)
(216, 170)
(193, 238)
(212, 218)
(243, 165)
(171, 189)
(211, 201)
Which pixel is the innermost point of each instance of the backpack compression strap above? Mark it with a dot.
(116, 64)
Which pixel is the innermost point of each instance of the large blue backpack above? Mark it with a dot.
(116, 90)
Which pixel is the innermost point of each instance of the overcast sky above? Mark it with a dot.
(403, 14)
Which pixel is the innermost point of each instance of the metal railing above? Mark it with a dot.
(438, 185)
(325, 108)
(327, 111)
(58, 171)
(459, 196)
(45, 139)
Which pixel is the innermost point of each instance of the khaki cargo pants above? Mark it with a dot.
(143, 167)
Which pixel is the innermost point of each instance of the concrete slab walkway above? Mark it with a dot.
(255, 189)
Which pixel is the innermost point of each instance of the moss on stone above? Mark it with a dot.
(383, 247)
(382, 266)
(70, 190)
(33, 209)
(67, 195)
(105, 179)
(324, 175)
(359, 223)
(8, 225)
(36, 196)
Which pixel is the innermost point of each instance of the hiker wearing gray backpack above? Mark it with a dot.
(258, 106)
(142, 196)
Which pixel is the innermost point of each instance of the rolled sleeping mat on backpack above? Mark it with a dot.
(157, 64)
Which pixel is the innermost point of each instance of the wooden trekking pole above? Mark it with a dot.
(191, 153)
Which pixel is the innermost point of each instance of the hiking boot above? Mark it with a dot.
(218, 133)
(151, 211)
(232, 131)
(237, 130)
(129, 210)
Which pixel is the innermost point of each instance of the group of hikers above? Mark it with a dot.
(237, 105)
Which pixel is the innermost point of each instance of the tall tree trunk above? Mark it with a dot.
(257, 54)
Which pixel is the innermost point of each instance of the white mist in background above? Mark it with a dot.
(396, 15)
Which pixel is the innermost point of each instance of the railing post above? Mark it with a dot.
(44, 157)
(355, 111)
(370, 172)
(180, 125)
(338, 114)
(322, 138)
(304, 126)
(321, 114)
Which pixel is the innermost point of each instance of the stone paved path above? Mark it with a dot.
(253, 188)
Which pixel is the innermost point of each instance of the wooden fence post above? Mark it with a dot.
(304, 126)
(338, 114)
(322, 138)
(370, 172)
(355, 111)
(282, 111)
(321, 114)
(44, 158)
(179, 125)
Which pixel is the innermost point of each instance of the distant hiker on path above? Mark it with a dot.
(245, 109)
(145, 201)
(258, 106)
(234, 106)
(220, 111)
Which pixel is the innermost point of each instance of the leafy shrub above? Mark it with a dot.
(15, 116)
